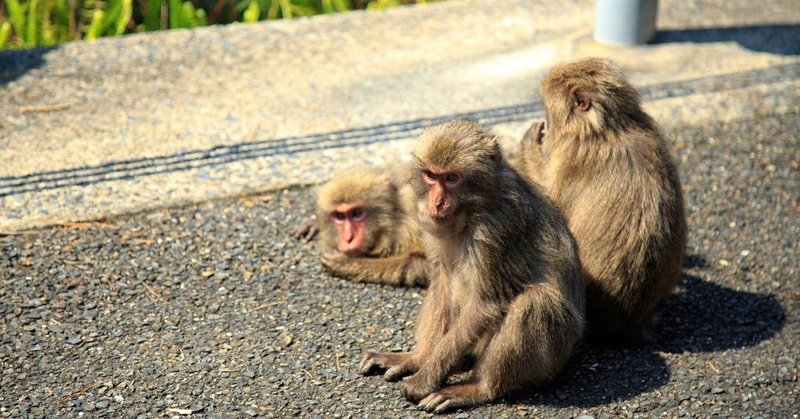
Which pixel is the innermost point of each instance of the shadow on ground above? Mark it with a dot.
(774, 39)
(600, 375)
(702, 317)
(706, 317)
(14, 64)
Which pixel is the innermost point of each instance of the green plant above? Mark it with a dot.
(5, 32)
(185, 15)
(30, 23)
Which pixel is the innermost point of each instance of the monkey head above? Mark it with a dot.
(588, 96)
(453, 174)
(355, 212)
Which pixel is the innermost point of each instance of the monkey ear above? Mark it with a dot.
(579, 99)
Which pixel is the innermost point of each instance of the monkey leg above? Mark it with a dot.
(449, 351)
(532, 345)
(431, 325)
(403, 270)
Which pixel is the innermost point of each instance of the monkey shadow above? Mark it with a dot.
(15, 63)
(706, 317)
(600, 374)
(774, 39)
(701, 317)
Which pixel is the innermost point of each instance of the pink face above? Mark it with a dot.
(441, 193)
(350, 220)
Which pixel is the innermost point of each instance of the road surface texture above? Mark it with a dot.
(148, 186)
(213, 309)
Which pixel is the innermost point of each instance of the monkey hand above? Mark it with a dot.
(305, 232)
(397, 365)
(332, 261)
(418, 386)
(535, 133)
(399, 371)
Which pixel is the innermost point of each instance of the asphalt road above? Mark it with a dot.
(213, 310)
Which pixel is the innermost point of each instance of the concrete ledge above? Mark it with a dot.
(161, 119)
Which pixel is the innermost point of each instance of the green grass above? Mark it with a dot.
(32, 23)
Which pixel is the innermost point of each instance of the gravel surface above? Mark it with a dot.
(211, 310)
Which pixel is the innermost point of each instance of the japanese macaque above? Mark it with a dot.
(605, 163)
(368, 225)
(506, 288)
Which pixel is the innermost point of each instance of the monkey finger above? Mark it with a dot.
(329, 263)
(431, 402)
(413, 390)
(535, 133)
(447, 405)
(397, 372)
(305, 231)
(370, 364)
(312, 233)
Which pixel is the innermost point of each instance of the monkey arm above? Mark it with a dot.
(474, 320)
(402, 270)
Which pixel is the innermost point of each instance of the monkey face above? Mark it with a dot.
(454, 173)
(350, 221)
(439, 206)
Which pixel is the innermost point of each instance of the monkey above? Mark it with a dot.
(605, 163)
(369, 229)
(505, 279)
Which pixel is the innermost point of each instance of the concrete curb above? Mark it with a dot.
(175, 143)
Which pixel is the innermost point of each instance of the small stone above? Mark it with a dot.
(585, 417)
(251, 412)
(249, 373)
(102, 404)
(717, 390)
(74, 340)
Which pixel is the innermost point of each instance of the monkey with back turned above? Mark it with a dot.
(606, 164)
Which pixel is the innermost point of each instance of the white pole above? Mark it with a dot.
(625, 22)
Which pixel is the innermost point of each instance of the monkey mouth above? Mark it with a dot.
(441, 220)
(353, 252)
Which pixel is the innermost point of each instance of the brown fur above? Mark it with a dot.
(506, 284)
(393, 253)
(605, 163)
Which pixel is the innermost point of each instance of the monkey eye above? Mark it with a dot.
(428, 177)
(358, 214)
(452, 179)
(338, 216)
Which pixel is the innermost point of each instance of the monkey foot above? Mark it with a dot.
(453, 397)
(417, 387)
